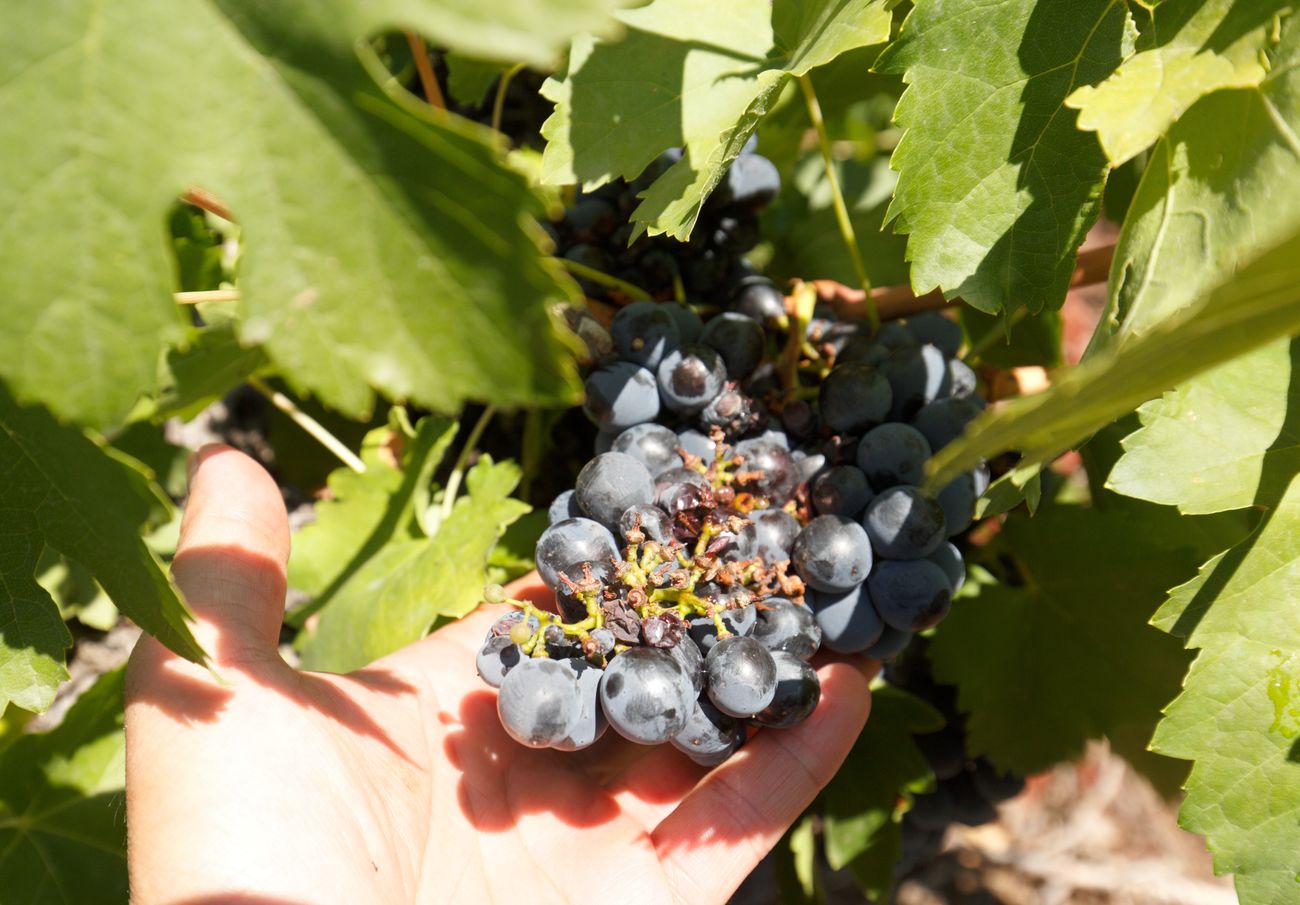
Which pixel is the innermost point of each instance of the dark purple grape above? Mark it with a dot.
(644, 333)
(943, 420)
(785, 626)
(848, 621)
(962, 381)
(772, 468)
(738, 339)
(572, 541)
(841, 490)
(752, 182)
(691, 377)
(741, 676)
(697, 444)
(739, 621)
(621, 395)
(653, 444)
(496, 658)
(732, 411)
(854, 397)
(892, 454)
(591, 218)
(591, 723)
(863, 350)
(894, 335)
(687, 653)
(769, 536)
(609, 484)
(646, 695)
(910, 595)
(689, 324)
(758, 299)
(832, 553)
(949, 558)
(562, 507)
(957, 500)
(905, 522)
(889, 645)
(649, 519)
(539, 702)
(932, 327)
(797, 692)
(917, 375)
(570, 607)
(710, 736)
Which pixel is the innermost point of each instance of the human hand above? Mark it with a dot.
(396, 783)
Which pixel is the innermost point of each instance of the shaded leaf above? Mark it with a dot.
(996, 186)
(695, 76)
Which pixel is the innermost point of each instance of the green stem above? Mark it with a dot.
(837, 197)
(458, 471)
(309, 424)
(604, 279)
(498, 105)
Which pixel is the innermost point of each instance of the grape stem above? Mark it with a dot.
(603, 279)
(309, 424)
(499, 103)
(428, 81)
(206, 295)
(837, 198)
(458, 470)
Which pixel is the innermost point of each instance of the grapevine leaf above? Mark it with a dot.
(362, 264)
(62, 814)
(1207, 201)
(1260, 303)
(1032, 341)
(394, 598)
(875, 869)
(209, 363)
(1188, 51)
(1064, 654)
(863, 796)
(59, 488)
(996, 186)
(689, 75)
(1219, 459)
(367, 512)
(468, 79)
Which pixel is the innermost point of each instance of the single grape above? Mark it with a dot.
(962, 381)
(687, 653)
(644, 332)
(689, 324)
(562, 507)
(848, 622)
(741, 676)
(807, 465)
(905, 522)
(696, 444)
(569, 605)
(571, 541)
(917, 375)
(771, 467)
(854, 397)
(678, 498)
(646, 695)
(591, 723)
(798, 418)
(758, 299)
(604, 441)
(832, 553)
(674, 478)
(732, 411)
(889, 645)
(710, 736)
(691, 377)
(738, 339)
(864, 350)
(769, 536)
(943, 420)
(949, 558)
(895, 335)
(653, 444)
(910, 595)
(893, 453)
(932, 327)
(539, 702)
(957, 499)
(840, 490)
(752, 182)
(609, 484)
(797, 692)
(496, 658)
(785, 626)
(649, 519)
(621, 395)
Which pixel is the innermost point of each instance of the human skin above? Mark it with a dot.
(255, 784)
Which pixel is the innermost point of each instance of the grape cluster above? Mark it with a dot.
(754, 495)
(967, 789)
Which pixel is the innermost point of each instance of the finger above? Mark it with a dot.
(230, 560)
(723, 828)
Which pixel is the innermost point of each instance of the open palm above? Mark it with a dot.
(262, 785)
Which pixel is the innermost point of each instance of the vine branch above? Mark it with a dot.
(428, 81)
(309, 424)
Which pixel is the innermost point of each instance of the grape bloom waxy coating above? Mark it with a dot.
(753, 496)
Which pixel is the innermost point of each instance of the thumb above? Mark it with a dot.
(230, 560)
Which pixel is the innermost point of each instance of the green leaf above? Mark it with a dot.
(996, 186)
(1022, 484)
(62, 812)
(1207, 202)
(58, 488)
(468, 79)
(863, 796)
(875, 869)
(393, 599)
(1032, 340)
(1260, 303)
(205, 366)
(689, 75)
(514, 555)
(1217, 460)
(1063, 653)
(806, 237)
(1238, 717)
(1189, 50)
(367, 512)
(362, 267)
